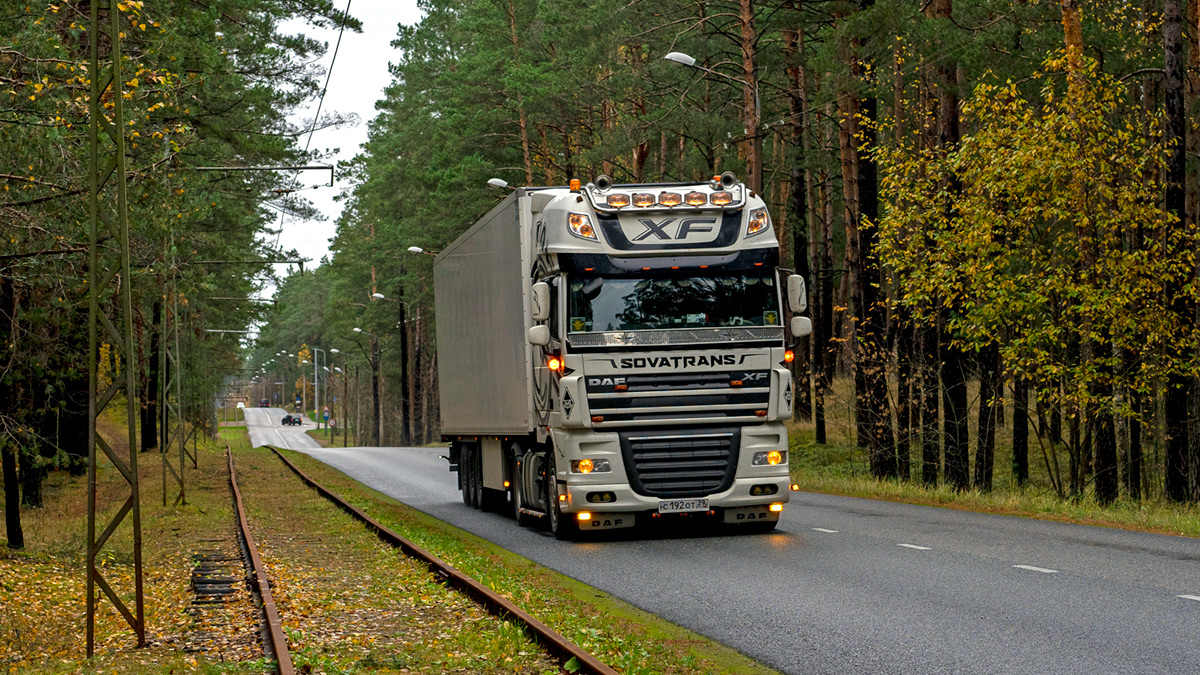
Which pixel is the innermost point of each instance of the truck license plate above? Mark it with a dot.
(683, 505)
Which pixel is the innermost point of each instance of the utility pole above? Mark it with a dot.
(109, 274)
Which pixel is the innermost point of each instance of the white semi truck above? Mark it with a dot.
(609, 353)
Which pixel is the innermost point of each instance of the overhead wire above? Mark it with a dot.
(321, 101)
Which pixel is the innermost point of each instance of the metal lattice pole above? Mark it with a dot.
(109, 288)
(172, 376)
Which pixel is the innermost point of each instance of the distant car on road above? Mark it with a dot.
(292, 420)
(264, 403)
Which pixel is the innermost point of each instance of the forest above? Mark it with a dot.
(204, 85)
(994, 203)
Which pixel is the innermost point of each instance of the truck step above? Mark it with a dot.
(533, 513)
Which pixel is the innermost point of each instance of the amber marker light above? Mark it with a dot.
(670, 199)
(617, 201)
(554, 363)
(795, 487)
(695, 199)
(721, 198)
(642, 199)
(507, 484)
(574, 185)
(789, 356)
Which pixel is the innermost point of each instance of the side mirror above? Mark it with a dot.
(797, 294)
(538, 335)
(541, 301)
(801, 326)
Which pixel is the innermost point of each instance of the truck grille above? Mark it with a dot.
(669, 398)
(674, 463)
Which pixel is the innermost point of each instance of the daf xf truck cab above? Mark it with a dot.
(615, 353)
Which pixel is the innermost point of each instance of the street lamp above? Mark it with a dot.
(419, 250)
(752, 116)
(372, 356)
(317, 385)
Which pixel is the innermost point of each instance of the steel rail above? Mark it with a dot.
(278, 640)
(498, 605)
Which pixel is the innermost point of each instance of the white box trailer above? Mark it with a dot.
(610, 353)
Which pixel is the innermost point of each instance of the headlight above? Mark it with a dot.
(590, 466)
(759, 221)
(581, 226)
(769, 458)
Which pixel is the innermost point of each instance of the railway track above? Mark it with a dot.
(554, 643)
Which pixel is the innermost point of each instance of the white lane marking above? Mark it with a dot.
(821, 529)
(1189, 597)
(282, 440)
(1031, 568)
(915, 547)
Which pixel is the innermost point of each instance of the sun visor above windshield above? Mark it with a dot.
(589, 263)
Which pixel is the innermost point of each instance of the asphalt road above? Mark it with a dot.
(857, 586)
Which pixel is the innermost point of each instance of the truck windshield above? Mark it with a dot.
(655, 303)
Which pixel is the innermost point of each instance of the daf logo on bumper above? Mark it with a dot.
(688, 228)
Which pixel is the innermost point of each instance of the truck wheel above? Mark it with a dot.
(561, 524)
(467, 467)
(480, 491)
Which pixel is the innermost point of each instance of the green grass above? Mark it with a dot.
(839, 467)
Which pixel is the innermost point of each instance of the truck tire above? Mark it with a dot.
(477, 478)
(518, 501)
(464, 472)
(470, 479)
(561, 524)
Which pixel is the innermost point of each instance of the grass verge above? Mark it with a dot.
(842, 468)
(621, 635)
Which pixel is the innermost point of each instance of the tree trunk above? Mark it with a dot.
(1178, 385)
(799, 209)
(931, 445)
(990, 392)
(12, 497)
(149, 407)
(1020, 430)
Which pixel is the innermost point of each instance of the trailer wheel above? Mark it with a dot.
(560, 524)
(471, 477)
(464, 473)
(478, 491)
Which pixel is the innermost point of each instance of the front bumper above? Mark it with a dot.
(621, 496)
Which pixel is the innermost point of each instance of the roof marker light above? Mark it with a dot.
(617, 200)
(670, 199)
(695, 199)
(721, 198)
(642, 200)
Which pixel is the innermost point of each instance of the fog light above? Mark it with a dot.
(601, 497)
(776, 507)
(583, 515)
(758, 490)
